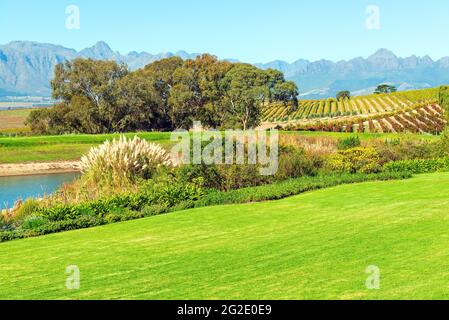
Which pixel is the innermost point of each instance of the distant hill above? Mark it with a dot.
(26, 68)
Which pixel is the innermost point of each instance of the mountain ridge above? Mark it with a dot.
(26, 68)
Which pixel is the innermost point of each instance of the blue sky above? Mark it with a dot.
(248, 30)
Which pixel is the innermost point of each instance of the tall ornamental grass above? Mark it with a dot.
(124, 161)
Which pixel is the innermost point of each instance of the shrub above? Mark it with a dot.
(443, 98)
(33, 222)
(292, 187)
(209, 173)
(124, 160)
(170, 194)
(29, 208)
(396, 150)
(418, 166)
(349, 143)
(295, 162)
(162, 193)
(120, 215)
(355, 160)
(442, 146)
(154, 210)
(241, 176)
(223, 177)
(5, 224)
(67, 225)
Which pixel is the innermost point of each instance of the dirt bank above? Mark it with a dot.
(22, 169)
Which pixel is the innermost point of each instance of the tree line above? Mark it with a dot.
(104, 96)
(380, 89)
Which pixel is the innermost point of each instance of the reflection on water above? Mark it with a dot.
(15, 188)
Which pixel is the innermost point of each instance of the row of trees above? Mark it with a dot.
(382, 88)
(103, 96)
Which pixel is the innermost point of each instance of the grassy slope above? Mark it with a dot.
(315, 245)
(72, 147)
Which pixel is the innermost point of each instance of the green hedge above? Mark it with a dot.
(293, 187)
(418, 166)
(95, 214)
(166, 195)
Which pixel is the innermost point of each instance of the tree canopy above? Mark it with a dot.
(385, 88)
(103, 96)
(343, 95)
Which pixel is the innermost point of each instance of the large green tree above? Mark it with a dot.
(246, 89)
(286, 92)
(94, 80)
(274, 78)
(138, 104)
(198, 92)
(162, 73)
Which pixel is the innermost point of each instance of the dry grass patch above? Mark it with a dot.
(319, 145)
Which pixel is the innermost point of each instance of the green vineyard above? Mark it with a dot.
(331, 108)
(414, 111)
(421, 119)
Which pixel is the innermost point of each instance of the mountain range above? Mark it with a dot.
(26, 68)
(361, 76)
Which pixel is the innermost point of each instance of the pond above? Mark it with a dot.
(23, 187)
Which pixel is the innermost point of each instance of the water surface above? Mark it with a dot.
(15, 188)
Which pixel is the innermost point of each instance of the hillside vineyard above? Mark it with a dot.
(410, 111)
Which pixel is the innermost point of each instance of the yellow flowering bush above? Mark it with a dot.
(355, 160)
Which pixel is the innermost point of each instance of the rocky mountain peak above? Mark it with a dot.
(384, 59)
(100, 50)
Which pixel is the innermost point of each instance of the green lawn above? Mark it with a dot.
(66, 147)
(312, 246)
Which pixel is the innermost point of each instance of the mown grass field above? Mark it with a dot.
(57, 148)
(312, 246)
(13, 119)
(72, 147)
